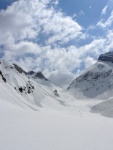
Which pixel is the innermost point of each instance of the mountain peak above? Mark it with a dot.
(31, 73)
(40, 75)
(19, 69)
(95, 82)
(37, 75)
(107, 57)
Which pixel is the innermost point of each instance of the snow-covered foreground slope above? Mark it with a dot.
(72, 129)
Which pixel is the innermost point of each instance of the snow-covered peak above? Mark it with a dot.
(31, 73)
(95, 82)
(26, 90)
(36, 75)
(40, 75)
(107, 57)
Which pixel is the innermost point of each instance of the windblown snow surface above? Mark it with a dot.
(40, 120)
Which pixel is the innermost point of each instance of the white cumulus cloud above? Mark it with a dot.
(106, 23)
(104, 10)
(33, 34)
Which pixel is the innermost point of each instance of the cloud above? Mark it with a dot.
(34, 35)
(59, 64)
(74, 15)
(107, 23)
(27, 20)
(90, 6)
(16, 25)
(89, 61)
(61, 78)
(21, 49)
(104, 10)
(81, 13)
(56, 2)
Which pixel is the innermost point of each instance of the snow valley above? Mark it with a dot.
(36, 114)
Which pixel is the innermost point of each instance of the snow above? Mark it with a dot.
(54, 129)
(40, 120)
(96, 82)
(104, 108)
(41, 95)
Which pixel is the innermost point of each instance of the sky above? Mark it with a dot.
(60, 38)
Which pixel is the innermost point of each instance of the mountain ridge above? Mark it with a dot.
(28, 91)
(96, 81)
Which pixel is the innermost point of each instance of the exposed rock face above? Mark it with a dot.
(4, 79)
(37, 75)
(108, 57)
(40, 75)
(29, 88)
(19, 69)
(31, 73)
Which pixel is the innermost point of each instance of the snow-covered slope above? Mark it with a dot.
(63, 122)
(95, 82)
(105, 108)
(47, 129)
(28, 91)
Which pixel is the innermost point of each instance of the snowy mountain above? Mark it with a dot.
(36, 75)
(58, 121)
(96, 81)
(107, 57)
(28, 90)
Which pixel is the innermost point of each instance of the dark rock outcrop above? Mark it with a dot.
(40, 75)
(19, 69)
(31, 73)
(108, 57)
(4, 79)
